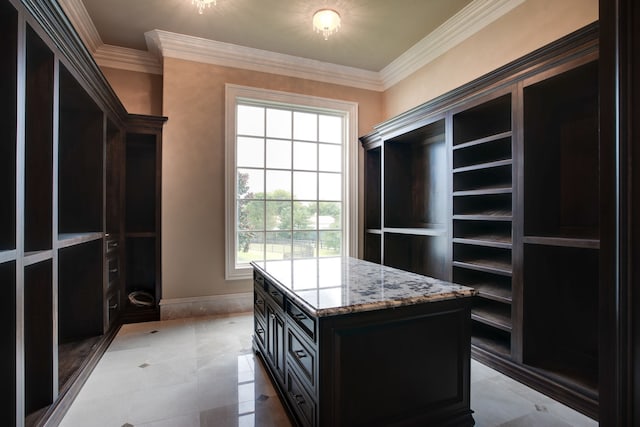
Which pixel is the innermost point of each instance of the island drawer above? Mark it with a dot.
(302, 356)
(259, 331)
(275, 294)
(259, 304)
(302, 319)
(258, 281)
(300, 400)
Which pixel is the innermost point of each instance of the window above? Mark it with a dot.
(290, 178)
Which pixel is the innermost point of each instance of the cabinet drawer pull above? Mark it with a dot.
(300, 354)
(259, 302)
(299, 316)
(273, 316)
(113, 307)
(113, 244)
(113, 270)
(299, 399)
(260, 331)
(275, 294)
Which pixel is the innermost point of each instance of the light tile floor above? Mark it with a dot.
(202, 372)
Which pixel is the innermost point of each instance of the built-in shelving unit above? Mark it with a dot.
(561, 226)
(495, 185)
(142, 218)
(482, 213)
(414, 202)
(62, 223)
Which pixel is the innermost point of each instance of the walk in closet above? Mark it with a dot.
(495, 185)
(63, 153)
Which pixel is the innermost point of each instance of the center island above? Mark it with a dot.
(352, 343)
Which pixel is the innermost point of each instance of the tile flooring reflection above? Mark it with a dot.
(202, 372)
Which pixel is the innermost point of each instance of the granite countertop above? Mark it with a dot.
(340, 285)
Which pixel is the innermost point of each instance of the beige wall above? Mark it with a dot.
(193, 211)
(531, 25)
(192, 96)
(140, 93)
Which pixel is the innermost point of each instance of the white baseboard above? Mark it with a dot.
(179, 308)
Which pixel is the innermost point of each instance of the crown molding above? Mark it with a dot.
(127, 59)
(207, 51)
(82, 22)
(468, 21)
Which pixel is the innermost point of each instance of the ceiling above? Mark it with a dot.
(373, 32)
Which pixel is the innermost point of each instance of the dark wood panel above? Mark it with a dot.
(414, 170)
(39, 144)
(141, 169)
(373, 183)
(561, 184)
(72, 356)
(80, 292)
(419, 254)
(8, 344)
(422, 383)
(561, 311)
(38, 336)
(8, 124)
(373, 247)
(114, 164)
(80, 159)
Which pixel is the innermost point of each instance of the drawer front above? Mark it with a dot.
(275, 294)
(113, 308)
(258, 304)
(258, 280)
(303, 357)
(260, 331)
(113, 269)
(304, 321)
(301, 401)
(112, 245)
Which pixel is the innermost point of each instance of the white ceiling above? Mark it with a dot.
(379, 44)
(373, 32)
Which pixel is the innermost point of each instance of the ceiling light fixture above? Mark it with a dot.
(201, 4)
(326, 22)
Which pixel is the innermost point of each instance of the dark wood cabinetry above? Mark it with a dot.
(62, 217)
(406, 365)
(142, 181)
(498, 182)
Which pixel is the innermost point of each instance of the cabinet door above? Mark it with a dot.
(275, 340)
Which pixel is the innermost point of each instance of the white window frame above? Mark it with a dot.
(349, 110)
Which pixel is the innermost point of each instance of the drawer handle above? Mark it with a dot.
(260, 331)
(275, 294)
(300, 354)
(299, 399)
(113, 244)
(113, 307)
(113, 270)
(299, 316)
(259, 302)
(273, 316)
